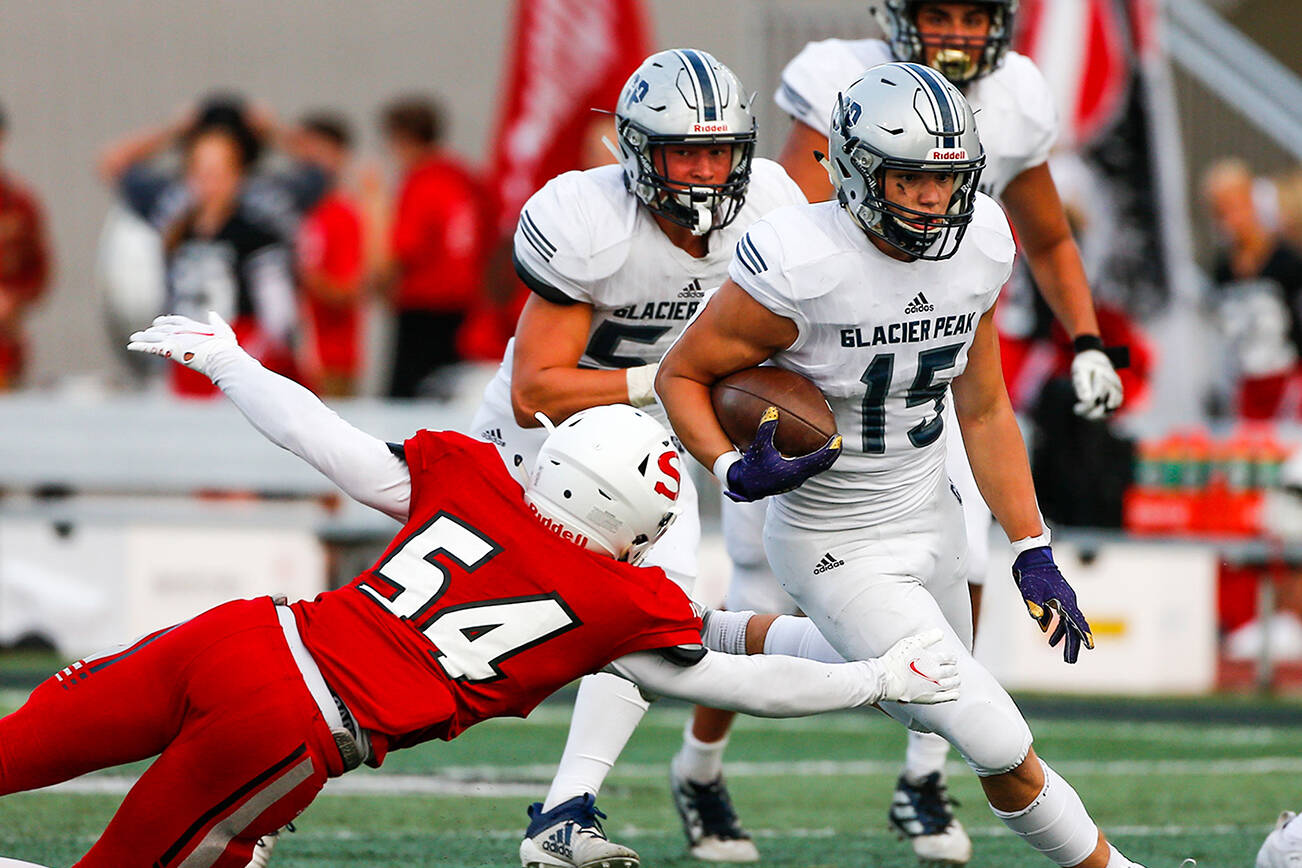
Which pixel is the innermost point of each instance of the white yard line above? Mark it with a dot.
(497, 781)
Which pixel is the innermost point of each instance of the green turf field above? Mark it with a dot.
(1168, 780)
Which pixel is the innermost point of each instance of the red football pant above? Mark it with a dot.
(242, 748)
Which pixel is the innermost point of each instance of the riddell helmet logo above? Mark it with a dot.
(951, 154)
(559, 529)
(710, 128)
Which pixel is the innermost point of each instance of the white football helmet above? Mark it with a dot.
(684, 96)
(607, 477)
(907, 117)
(898, 19)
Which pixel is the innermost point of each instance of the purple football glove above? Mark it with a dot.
(763, 470)
(1045, 592)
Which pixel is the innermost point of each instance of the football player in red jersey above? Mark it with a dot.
(490, 598)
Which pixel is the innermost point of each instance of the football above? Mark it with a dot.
(805, 421)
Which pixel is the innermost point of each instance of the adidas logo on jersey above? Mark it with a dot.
(558, 842)
(492, 435)
(829, 562)
(692, 290)
(919, 305)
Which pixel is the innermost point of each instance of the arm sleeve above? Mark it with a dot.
(798, 637)
(293, 418)
(762, 686)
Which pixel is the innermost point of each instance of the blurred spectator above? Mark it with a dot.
(226, 227)
(1259, 286)
(330, 260)
(24, 265)
(433, 273)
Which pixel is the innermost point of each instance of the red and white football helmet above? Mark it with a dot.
(608, 477)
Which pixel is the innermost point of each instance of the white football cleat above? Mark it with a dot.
(1283, 846)
(714, 834)
(570, 836)
(921, 812)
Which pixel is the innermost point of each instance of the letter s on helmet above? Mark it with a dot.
(684, 96)
(610, 476)
(911, 118)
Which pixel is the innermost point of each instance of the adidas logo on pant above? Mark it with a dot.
(828, 562)
(919, 305)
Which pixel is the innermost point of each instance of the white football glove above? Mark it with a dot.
(1098, 388)
(186, 341)
(914, 670)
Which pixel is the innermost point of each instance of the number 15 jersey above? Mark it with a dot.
(477, 609)
(882, 339)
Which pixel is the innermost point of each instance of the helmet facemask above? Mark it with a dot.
(899, 18)
(699, 207)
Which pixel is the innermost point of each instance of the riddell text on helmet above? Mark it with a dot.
(559, 529)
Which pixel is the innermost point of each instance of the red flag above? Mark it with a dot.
(1082, 47)
(568, 58)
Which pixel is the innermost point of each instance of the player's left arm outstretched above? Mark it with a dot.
(998, 458)
(287, 414)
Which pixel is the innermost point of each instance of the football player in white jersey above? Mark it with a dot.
(968, 43)
(884, 298)
(619, 258)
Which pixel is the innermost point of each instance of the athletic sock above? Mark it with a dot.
(925, 753)
(699, 761)
(1056, 822)
(606, 711)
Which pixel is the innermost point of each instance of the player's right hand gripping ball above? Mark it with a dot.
(763, 470)
(1046, 592)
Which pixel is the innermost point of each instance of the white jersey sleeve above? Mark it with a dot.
(766, 256)
(813, 78)
(1017, 119)
(572, 232)
(990, 234)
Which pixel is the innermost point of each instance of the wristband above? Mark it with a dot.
(722, 463)
(725, 632)
(1087, 342)
(641, 381)
(1026, 543)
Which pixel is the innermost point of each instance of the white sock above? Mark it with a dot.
(606, 711)
(699, 761)
(1056, 822)
(926, 753)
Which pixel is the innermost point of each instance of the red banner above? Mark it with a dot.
(568, 57)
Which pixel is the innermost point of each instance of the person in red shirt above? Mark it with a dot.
(330, 261)
(438, 241)
(24, 266)
(489, 598)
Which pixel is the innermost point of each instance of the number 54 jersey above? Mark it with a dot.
(478, 609)
(882, 339)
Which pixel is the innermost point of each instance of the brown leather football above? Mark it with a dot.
(805, 421)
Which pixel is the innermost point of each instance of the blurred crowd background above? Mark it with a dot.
(341, 181)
